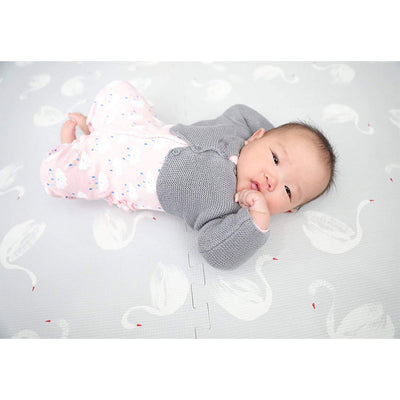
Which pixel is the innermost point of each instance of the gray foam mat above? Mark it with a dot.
(79, 269)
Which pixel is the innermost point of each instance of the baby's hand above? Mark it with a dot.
(252, 199)
(257, 205)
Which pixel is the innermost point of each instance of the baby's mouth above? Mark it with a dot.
(255, 186)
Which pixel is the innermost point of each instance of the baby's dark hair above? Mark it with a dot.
(327, 151)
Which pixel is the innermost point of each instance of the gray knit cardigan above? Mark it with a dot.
(198, 184)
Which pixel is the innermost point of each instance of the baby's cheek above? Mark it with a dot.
(275, 205)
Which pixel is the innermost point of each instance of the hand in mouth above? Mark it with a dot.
(255, 186)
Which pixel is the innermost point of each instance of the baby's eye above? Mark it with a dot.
(275, 158)
(289, 193)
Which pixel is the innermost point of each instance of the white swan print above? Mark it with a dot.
(104, 183)
(169, 288)
(216, 90)
(36, 83)
(75, 86)
(103, 143)
(61, 180)
(141, 84)
(85, 161)
(367, 321)
(389, 168)
(48, 116)
(395, 117)
(113, 231)
(150, 182)
(341, 113)
(269, 72)
(330, 235)
(17, 241)
(242, 297)
(7, 177)
(30, 334)
(340, 73)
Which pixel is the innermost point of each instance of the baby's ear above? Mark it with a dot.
(257, 135)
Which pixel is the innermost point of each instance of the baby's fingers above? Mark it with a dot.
(242, 198)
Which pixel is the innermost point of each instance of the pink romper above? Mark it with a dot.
(120, 160)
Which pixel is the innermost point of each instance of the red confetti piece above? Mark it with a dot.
(154, 218)
(313, 304)
(138, 325)
(369, 124)
(18, 198)
(372, 200)
(49, 320)
(391, 179)
(33, 288)
(274, 258)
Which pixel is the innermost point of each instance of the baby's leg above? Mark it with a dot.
(68, 132)
(81, 121)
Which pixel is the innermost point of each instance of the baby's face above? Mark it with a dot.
(285, 166)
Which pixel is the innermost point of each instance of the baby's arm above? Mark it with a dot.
(229, 241)
(247, 116)
(242, 114)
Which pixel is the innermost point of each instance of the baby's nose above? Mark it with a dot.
(271, 182)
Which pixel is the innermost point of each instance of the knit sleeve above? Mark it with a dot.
(229, 241)
(239, 114)
(252, 119)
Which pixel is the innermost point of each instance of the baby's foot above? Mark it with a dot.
(80, 119)
(68, 132)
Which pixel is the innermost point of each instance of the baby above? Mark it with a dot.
(225, 177)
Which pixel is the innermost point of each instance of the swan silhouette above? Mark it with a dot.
(269, 72)
(36, 83)
(17, 241)
(111, 231)
(169, 288)
(29, 334)
(340, 113)
(389, 167)
(241, 297)
(48, 116)
(331, 235)
(395, 117)
(75, 85)
(7, 177)
(367, 321)
(216, 90)
(340, 73)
